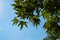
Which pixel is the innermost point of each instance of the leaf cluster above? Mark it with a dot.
(49, 9)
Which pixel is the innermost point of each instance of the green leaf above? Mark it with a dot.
(15, 21)
(22, 24)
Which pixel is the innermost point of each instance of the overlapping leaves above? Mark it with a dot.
(19, 23)
(50, 10)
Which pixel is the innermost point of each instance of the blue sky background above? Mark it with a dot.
(10, 32)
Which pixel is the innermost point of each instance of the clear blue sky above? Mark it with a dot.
(10, 32)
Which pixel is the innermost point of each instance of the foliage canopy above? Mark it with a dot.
(49, 9)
